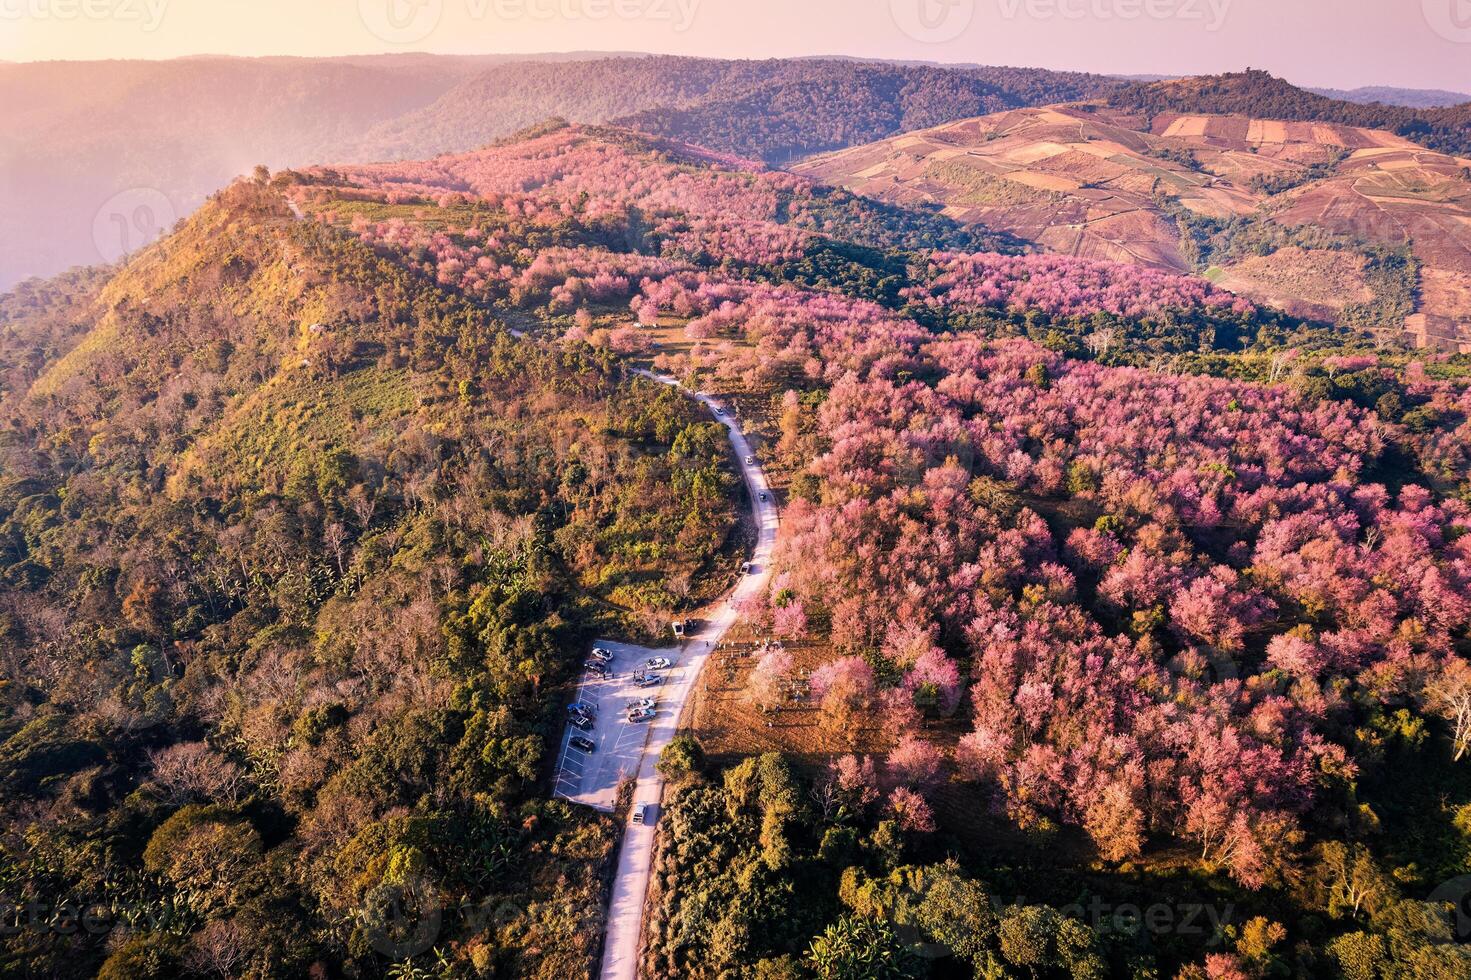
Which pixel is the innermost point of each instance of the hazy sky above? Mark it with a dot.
(1422, 43)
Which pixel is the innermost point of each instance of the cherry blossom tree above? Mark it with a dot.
(916, 763)
(910, 810)
(769, 679)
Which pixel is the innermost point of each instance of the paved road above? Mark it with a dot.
(635, 857)
(631, 883)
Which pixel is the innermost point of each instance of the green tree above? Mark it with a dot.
(683, 758)
(857, 948)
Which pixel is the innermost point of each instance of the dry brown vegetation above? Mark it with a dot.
(1098, 182)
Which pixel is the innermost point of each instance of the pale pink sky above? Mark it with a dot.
(1422, 43)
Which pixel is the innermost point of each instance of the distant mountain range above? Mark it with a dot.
(1413, 98)
(113, 151)
(774, 110)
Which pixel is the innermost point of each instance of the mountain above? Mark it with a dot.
(262, 454)
(771, 110)
(106, 139)
(113, 152)
(1259, 94)
(1324, 220)
(1089, 572)
(1412, 98)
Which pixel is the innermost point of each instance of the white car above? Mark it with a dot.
(598, 653)
(643, 703)
(641, 813)
(750, 460)
(658, 663)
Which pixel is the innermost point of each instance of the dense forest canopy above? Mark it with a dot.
(299, 551)
(1122, 590)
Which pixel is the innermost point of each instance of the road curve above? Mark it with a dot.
(635, 857)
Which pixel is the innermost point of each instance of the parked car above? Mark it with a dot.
(658, 663)
(640, 714)
(597, 667)
(582, 744)
(582, 708)
(647, 680)
(606, 656)
(643, 703)
(581, 721)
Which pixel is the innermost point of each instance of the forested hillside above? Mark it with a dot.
(771, 110)
(1116, 633)
(299, 550)
(1102, 589)
(179, 129)
(165, 134)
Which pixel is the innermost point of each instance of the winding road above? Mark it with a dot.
(635, 857)
(636, 854)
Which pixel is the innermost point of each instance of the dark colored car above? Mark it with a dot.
(581, 721)
(584, 744)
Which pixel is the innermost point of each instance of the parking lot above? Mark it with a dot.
(592, 778)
